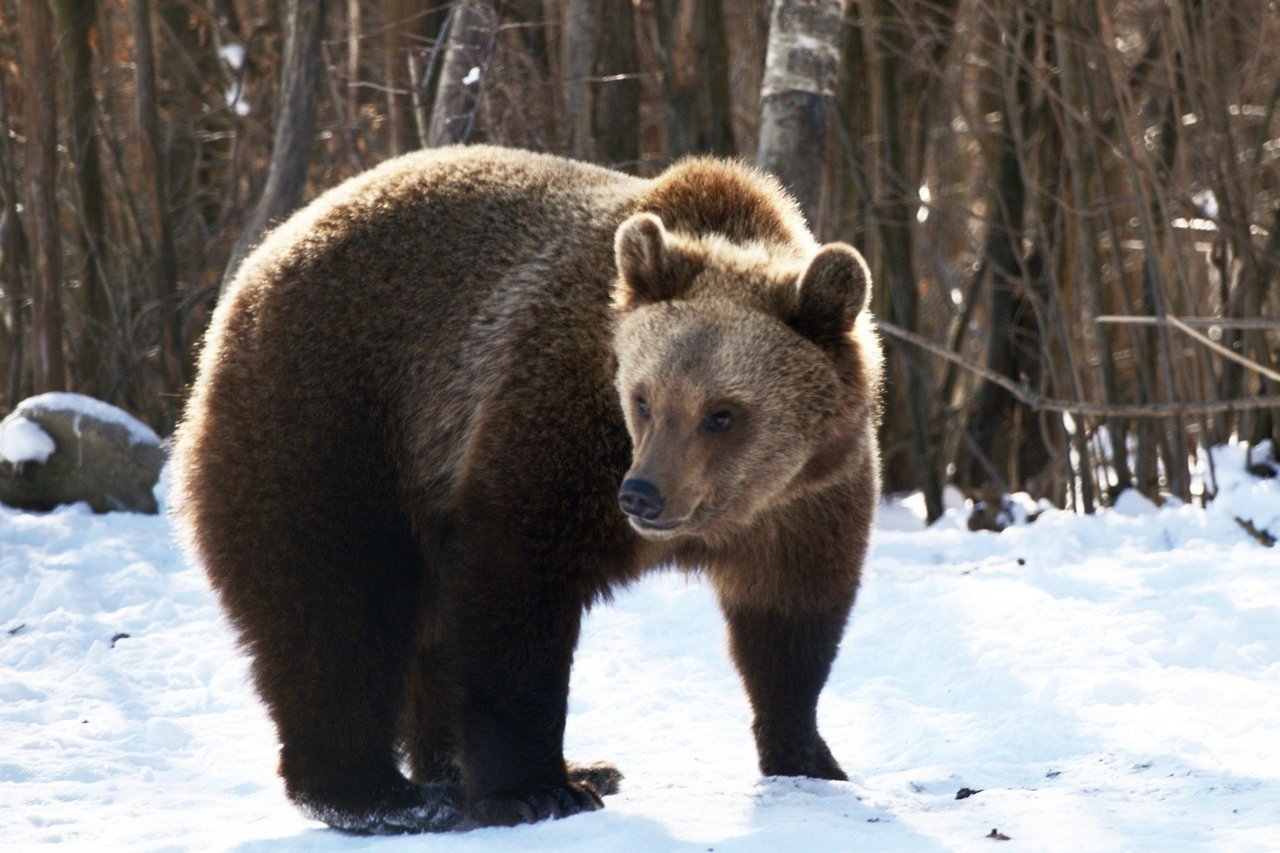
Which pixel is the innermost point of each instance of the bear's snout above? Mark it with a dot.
(641, 499)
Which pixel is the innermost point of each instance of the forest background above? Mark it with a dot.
(1071, 210)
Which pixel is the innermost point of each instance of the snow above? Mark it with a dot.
(233, 55)
(139, 433)
(473, 76)
(22, 441)
(1107, 683)
(234, 98)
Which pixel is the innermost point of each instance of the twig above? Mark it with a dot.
(1224, 322)
(1038, 401)
(1264, 538)
(1221, 350)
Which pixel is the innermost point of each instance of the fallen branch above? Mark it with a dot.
(1262, 536)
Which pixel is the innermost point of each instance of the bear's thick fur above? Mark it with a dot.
(408, 464)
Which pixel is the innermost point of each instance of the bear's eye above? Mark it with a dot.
(642, 406)
(720, 421)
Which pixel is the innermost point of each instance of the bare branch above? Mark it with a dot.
(1038, 401)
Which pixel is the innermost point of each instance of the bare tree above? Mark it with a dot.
(164, 270)
(601, 89)
(472, 34)
(295, 128)
(797, 98)
(75, 20)
(695, 74)
(13, 262)
(48, 360)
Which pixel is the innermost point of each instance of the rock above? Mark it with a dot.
(102, 455)
(993, 510)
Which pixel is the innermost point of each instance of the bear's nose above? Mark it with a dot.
(641, 499)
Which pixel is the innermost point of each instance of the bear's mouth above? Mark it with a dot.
(656, 526)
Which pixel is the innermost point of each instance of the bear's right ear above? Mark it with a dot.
(832, 292)
(650, 267)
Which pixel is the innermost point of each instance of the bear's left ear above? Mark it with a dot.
(832, 291)
(651, 267)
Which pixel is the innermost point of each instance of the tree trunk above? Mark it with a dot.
(399, 25)
(849, 199)
(1077, 94)
(355, 38)
(295, 126)
(76, 19)
(1014, 339)
(13, 266)
(601, 92)
(581, 34)
(461, 87)
(424, 75)
(41, 114)
(695, 77)
(896, 296)
(1266, 423)
(802, 67)
(164, 274)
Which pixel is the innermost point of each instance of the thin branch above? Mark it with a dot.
(1248, 363)
(1224, 322)
(1039, 402)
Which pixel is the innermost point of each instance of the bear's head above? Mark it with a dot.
(742, 374)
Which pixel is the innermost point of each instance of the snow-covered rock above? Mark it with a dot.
(24, 441)
(63, 448)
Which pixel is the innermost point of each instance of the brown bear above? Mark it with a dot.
(461, 397)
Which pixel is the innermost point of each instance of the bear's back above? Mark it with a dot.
(428, 236)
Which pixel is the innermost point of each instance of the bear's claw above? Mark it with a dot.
(532, 806)
(601, 777)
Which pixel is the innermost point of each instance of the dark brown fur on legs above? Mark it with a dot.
(784, 660)
(457, 399)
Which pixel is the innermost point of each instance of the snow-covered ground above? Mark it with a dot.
(1107, 682)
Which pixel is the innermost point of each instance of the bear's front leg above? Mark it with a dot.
(784, 659)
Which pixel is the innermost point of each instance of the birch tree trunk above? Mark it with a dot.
(471, 39)
(48, 361)
(295, 126)
(802, 66)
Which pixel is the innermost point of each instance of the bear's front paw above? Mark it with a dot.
(531, 806)
(812, 759)
(824, 768)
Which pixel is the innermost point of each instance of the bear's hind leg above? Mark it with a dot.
(430, 740)
(330, 626)
(510, 623)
